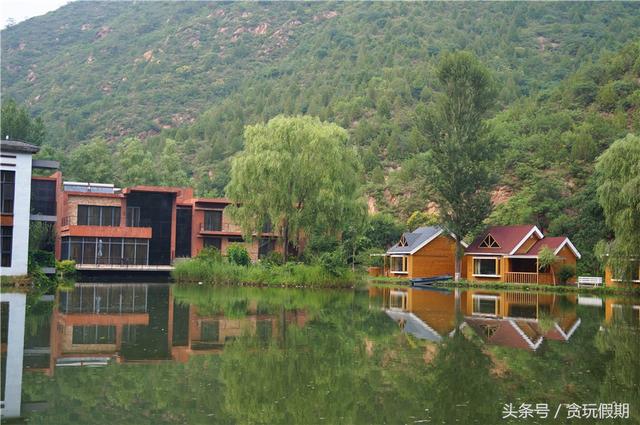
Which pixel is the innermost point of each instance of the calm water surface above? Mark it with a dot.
(156, 354)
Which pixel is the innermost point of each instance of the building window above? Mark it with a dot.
(267, 245)
(8, 179)
(213, 221)
(94, 334)
(399, 264)
(486, 305)
(213, 242)
(119, 251)
(6, 233)
(133, 216)
(43, 197)
(95, 215)
(486, 267)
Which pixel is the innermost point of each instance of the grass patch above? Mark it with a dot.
(287, 275)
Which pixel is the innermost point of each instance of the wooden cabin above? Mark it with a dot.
(611, 278)
(510, 254)
(425, 252)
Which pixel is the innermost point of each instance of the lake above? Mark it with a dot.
(159, 353)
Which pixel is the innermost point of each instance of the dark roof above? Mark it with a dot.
(18, 147)
(552, 243)
(415, 239)
(508, 237)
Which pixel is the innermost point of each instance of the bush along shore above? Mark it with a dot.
(519, 287)
(209, 267)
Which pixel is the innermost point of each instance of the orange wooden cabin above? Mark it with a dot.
(511, 254)
(425, 252)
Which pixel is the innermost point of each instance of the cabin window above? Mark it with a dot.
(486, 267)
(399, 264)
(486, 305)
(7, 245)
(489, 242)
(213, 221)
(633, 274)
(8, 191)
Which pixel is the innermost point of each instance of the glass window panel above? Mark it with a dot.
(116, 251)
(213, 220)
(83, 215)
(89, 251)
(129, 253)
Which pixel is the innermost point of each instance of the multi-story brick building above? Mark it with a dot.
(142, 228)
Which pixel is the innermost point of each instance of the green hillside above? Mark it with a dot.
(112, 69)
(160, 93)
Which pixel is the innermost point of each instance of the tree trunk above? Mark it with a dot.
(459, 255)
(285, 240)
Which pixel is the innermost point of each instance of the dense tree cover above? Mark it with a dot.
(145, 69)
(17, 124)
(115, 70)
(298, 175)
(551, 143)
(618, 171)
(461, 152)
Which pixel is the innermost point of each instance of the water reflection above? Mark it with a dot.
(521, 320)
(170, 354)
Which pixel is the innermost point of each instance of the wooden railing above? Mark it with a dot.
(521, 277)
(521, 297)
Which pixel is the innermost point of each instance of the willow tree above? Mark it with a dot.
(297, 174)
(458, 164)
(618, 171)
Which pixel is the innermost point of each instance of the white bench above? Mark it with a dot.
(589, 281)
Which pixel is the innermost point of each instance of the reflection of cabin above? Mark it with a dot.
(612, 278)
(511, 319)
(516, 319)
(510, 254)
(425, 252)
(622, 311)
(426, 314)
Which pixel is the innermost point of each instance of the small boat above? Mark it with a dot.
(427, 281)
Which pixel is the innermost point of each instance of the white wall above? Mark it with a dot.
(21, 212)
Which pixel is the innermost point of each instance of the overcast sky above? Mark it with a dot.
(19, 10)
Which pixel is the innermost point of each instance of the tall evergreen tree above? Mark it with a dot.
(458, 165)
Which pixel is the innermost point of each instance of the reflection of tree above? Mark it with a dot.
(165, 393)
(342, 367)
(620, 343)
(463, 390)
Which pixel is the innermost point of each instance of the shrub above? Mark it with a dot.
(272, 259)
(41, 258)
(210, 254)
(237, 254)
(65, 268)
(565, 273)
(333, 262)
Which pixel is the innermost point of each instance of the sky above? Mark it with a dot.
(20, 10)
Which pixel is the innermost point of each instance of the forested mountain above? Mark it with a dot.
(114, 68)
(160, 92)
